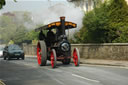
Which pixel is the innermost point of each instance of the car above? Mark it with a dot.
(1, 52)
(55, 46)
(13, 51)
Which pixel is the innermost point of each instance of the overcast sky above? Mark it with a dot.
(29, 5)
(36, 0)
(44, 12)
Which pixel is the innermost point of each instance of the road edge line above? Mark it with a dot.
(85, 78)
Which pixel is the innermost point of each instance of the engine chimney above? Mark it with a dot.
(62, 20)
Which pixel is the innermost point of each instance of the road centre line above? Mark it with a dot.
(85, 78)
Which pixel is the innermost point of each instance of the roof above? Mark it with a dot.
(68, 25)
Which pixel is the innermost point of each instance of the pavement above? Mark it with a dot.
(105, 62)
(27, 72)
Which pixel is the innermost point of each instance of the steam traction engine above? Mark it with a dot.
(55, 46)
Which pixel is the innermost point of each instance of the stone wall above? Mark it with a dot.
(29, 49)
(116, 51)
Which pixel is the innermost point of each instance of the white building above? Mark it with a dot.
(88, 5)
(127, 1)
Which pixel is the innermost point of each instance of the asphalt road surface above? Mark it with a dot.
(27, 72)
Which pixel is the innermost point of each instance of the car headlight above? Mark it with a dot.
(65, 47)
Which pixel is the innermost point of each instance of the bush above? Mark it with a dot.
(105, 24)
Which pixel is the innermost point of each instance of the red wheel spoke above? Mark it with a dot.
(75, 57)
(38, 54)
(53, 58)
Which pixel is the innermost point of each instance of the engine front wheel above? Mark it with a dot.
(53, 58)
(76, 57)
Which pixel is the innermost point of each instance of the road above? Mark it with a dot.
(27, 72)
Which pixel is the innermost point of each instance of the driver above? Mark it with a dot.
(41, 36)
(50, 37)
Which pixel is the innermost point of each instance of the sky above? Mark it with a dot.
(45, 12)
(28, 5)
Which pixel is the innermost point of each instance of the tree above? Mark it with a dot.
(97, 3)
(20, 35)
(11, 42)
(119, 20)
(13, 26)
(105, 24)
(3, 2)
(32, 35)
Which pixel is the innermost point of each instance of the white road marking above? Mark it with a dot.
(58, 81)
(85, 78)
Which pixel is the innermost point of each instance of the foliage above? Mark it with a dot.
(13, 27)
(97, 3)
(105, 24)
(19, 36)
(119, 20)
(3, 2)
(11, 42)
(32, 35)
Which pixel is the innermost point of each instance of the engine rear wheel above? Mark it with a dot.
(41, 53)
(53, 58)
(76, 57)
